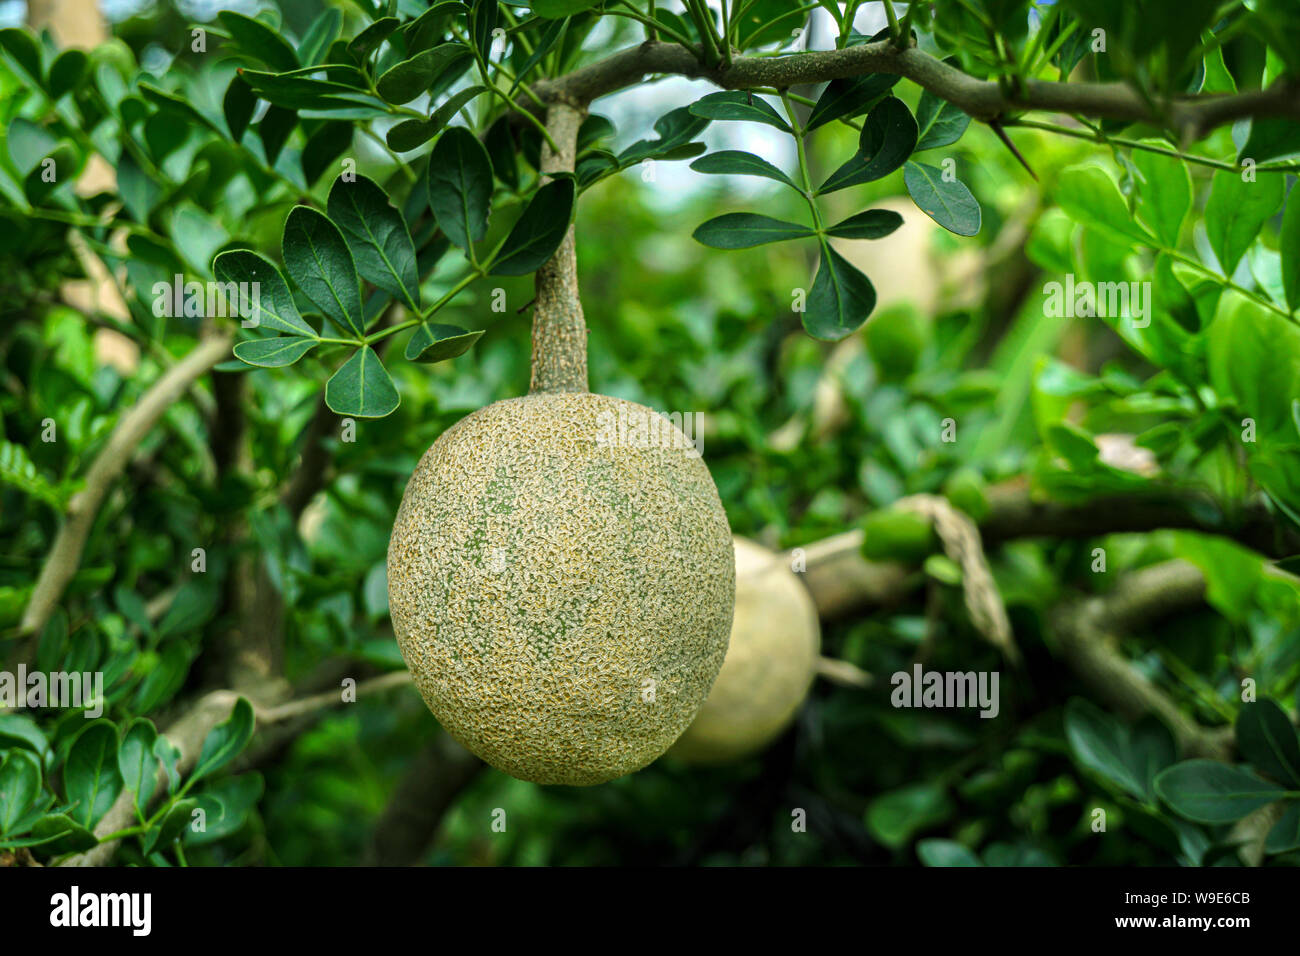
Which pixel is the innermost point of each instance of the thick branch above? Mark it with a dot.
(432, 783)
(1192, 117)
(1014, 514)
(65, 555)
(841, 580)
(1085, 633)
(559, 329)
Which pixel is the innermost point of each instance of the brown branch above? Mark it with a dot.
(1086, 631)
(1013, 513)
(189, 731)
(315, 463)
(559, 328)
(841, 580)
(1190, 116)
(409, 822)
(65, 556)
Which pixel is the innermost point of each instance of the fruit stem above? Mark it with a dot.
(559, 330)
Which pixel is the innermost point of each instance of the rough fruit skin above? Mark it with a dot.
(770, 665)
(540, 576)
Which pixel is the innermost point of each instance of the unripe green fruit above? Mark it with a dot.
(562, 589)
(770, 665)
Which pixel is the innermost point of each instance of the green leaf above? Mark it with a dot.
(1100, 743)
(483, 20)
(840, 300)
(949, 203)
(846, 98)
(321, 266)
(179, 816)
(58, 833)
(538, 232)
(554, 31)
(227, 805)
(434, 343)
(176, 105)
(168, 755)
(734, 162)
(553, 9)
(676, 129)
(429, 72)
(935, 852)
(273, 353)
(460, 186)
(1270, 138)
(19, 471)
(428, 28)
(67, 71)
(939, 123)
(1091, 197)
(238, 106)
(738, 105)
(162, 683)
(20, 786)
(21, 730)
(29, 143)
(1254, 364)
(1266, 738)
(895, 817)
(500, 145)
(324, 30)
(22, 46)
(888, 137)
(257, 40)
(1208, 791)
(1285, 834)
(378, 237)
(362, 387)
(136, 761)
(1235, 212)
(139, 193)
(1166, 191)
(271, 303)
(871, 224)
(91, 777)
(412, 133)
(743, 230)
(225, 741)
(369, 39)
(1289, 246)
(274, 131)
(330, 141)
(299, 92)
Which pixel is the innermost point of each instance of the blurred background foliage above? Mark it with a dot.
(804, 439)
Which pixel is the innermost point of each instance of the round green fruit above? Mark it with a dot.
(770, 665)
(561, 587)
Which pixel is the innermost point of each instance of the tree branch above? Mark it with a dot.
(434, 780)
(1013, 513)
(65, 555)
(1190, 116)
(1085, 633)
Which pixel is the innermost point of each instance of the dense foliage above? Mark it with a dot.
(378, 170)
